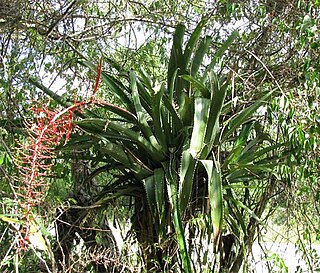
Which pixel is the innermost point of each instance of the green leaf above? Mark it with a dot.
(216, 104)
(127, 159)
(239, 204)
(234, 212)
(205, 92)
(141, 113)
(215, 194)
(144, 95)
(220, 52)
(199, 55)
(159, 120)
(250, 157)
(242, 117)
(100, 128)
(186, 176)
(175, 121)
(149, 185)
(78, 142)
(92, 125)
(160, 194)
(171, 85)
(176, 57)
(155, 190)
(146, 80)
(201, 114)
(239, 144)
(192, 42)
(128, 116)
(118, 89)
(171, 180)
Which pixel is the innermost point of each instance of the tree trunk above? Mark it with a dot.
(146, 236)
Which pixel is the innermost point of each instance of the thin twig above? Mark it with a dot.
(268, 71)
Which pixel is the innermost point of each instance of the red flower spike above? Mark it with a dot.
(35, 157)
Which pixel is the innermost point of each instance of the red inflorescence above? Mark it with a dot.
(35, 157)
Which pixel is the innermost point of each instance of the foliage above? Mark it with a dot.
(267, 159)
(166, 137)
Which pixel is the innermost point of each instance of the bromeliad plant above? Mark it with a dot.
(168, 144)
(162, 136)
(181, 150)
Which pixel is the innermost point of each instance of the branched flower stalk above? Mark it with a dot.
(35, 157)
